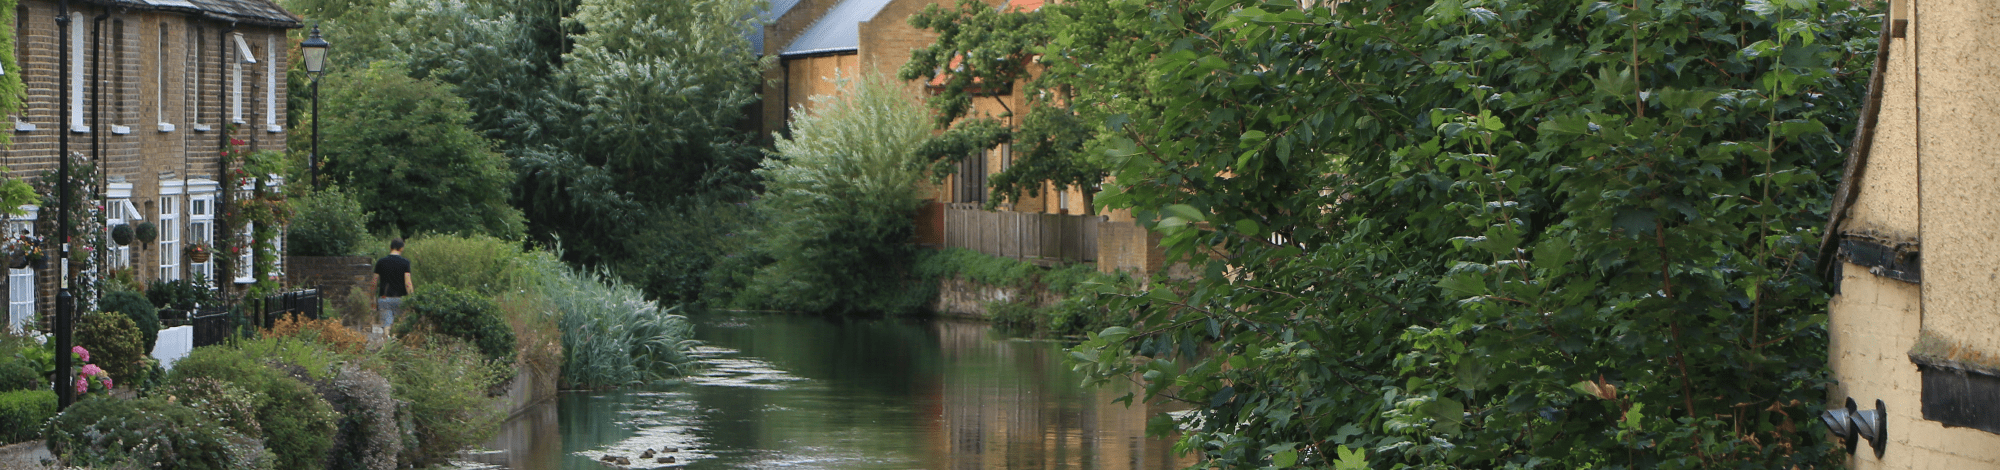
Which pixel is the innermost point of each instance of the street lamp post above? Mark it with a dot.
(314, 49)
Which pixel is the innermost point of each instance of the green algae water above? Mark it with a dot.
(805, 392)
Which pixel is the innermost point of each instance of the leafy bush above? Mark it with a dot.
(612, 335)
(221, 402)
(134, 305)
(181, 295)
(23, 412)
(151, 432)
(445, 382)
(370, 435)
(114, 344)
(481, 264)
(840, 198)
(328, 222)
(460, 314)
(298, 425)
(18, 374)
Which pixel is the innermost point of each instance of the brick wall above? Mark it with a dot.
(1128, 247)
(335, 275)
(141, 68)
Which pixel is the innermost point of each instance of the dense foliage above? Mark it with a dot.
(838, 198)
(135, 306)
(618, 117)
(22, 413)
(150, 432)
(401, 145)
(1481, 234)
(445, 382)
(459, 314)
(298, 425)
(113, 342)
(329, 222)
(612, 335)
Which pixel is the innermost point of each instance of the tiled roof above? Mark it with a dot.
(261, 12)
(837, 31)
(777, 10)
(255, 12)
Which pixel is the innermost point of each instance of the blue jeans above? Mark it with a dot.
(388, 307)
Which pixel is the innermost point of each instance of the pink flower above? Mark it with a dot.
(80, 352)
(82, 385)
(107, 382)
(92, 369)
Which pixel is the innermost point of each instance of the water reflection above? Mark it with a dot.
(808, 392)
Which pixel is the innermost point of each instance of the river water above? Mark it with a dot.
(806, 392)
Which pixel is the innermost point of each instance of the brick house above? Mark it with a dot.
(1912, 322)
(153, 87)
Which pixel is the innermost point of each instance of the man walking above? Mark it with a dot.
(392, 282)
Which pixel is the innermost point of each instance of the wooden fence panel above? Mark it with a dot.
(1022, 235)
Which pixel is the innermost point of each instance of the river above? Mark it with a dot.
(807, 392)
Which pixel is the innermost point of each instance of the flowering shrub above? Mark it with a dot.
(116, 341)
(89, 377)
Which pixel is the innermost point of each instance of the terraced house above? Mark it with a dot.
(148, 92)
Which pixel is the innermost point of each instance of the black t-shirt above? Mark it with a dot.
(392, 268)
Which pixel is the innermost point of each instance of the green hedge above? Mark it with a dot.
(463, 315)
(153, 432)
(23, 412)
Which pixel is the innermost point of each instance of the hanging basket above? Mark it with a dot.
(122, 234)
(17, 261)
(198, 254)
(146, 232)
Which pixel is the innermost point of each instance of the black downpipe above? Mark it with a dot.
(97, 128)
(65, 393)
(223, 264)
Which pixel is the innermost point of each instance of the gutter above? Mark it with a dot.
(1857, 158)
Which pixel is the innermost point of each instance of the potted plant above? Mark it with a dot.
(122, 234)
(146, 232)
(199, 252)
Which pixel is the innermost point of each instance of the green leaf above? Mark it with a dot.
(1285, 459)
(1185, 211)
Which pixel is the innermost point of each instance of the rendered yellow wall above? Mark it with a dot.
(1943, 197)
(1959, 55)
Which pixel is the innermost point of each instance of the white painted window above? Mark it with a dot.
(160, 92)
(21, 282)
(246, 254)
(243, 56)
(170, 235)
(77, 23)
(201, 227)
(271, 85)
(119, 210)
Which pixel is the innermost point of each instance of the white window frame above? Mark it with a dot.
(76, 59)
(244, 56)
(201, 224)
(119, 210)
(160, 80)
(21, 285)
(170, 231)
(271, 86)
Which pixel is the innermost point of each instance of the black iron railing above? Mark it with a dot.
(212, 325)
(266, 311)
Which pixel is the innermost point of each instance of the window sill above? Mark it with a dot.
(200, 127)
(164, 127)
(79, 129)
(20, 126)
(274, 128)
(121, 130)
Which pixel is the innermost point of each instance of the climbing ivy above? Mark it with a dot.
(1484, 233)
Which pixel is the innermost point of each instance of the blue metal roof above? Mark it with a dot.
(837, 31)
(777, 10)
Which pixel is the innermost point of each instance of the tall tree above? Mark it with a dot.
(403, 146)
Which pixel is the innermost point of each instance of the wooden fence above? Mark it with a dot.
(1022, 235)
